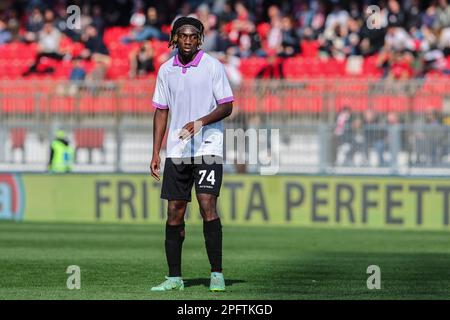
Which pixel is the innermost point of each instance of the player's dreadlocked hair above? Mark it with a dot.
(197, 24)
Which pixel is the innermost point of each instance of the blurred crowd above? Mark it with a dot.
(374, 137)
(412, 37)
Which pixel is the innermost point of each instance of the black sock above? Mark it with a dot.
(174, 243)
(212, 230)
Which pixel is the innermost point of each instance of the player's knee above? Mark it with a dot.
(175, 212)
(208, 208)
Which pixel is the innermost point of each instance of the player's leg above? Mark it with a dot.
(176, 188)
(175, 235)
(173, 245)
(212, 231)
(208, 179)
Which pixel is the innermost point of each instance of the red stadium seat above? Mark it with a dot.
(309, 48)
(251, 66)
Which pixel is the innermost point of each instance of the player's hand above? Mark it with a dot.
(154, 167)
(190, 129)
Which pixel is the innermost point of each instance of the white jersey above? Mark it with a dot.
(190, 92)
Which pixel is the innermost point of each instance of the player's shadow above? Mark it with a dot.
(205, 282)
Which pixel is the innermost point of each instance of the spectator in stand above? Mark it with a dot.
(397, 39)
(210, 34)
(97, 19)
(433, 135)
(49, 15)
(274, 38)
(48, 46)
(397, 65)
(342, 132)
(290, 42)
(374, 135)
(396, 16)
(429, 18)
(413, 15)
(304, 17)
(273, 46)
(443, 15)
(372, 39)
(78, 72)
(227, 15)
(13, 24)
(5, 34)
(61, 24)
(357, 143)
(142, 32)
(444, 41)
(94, 44)
(34, 25)
(243, 25)
(142, 60)
(223, 42)
(77, 75)
(338, 16)
(152, 18)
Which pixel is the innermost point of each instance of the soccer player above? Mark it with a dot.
(194, 87)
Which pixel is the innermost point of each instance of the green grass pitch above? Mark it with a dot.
(124, 261)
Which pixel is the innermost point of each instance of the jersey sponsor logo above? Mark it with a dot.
(12, 197)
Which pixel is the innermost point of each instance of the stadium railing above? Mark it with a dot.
(110, 124)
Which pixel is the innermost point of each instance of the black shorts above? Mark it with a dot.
(181, 173)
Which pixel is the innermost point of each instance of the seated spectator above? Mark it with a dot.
(61, 24)
(210, 33)
(13, 24)
(413, 15)
(97, 75)
(152, 19)
(77, 75)
(94, 44)
(290, 42)
(396, 16)
(142, 32)
(48, 46)
(142, 60)
(5, 34)
(397, 65)
(429, 18)
(34, 25)
(444, 41)
(442, 14)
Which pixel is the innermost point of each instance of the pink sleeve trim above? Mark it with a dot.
(159, 106)
(225, 100)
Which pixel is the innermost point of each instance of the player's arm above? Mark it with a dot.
(221, 112)
(159, 129)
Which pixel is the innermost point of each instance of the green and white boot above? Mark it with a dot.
(171, 283)
(217, 283)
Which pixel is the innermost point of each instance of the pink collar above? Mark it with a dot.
(193, 63)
